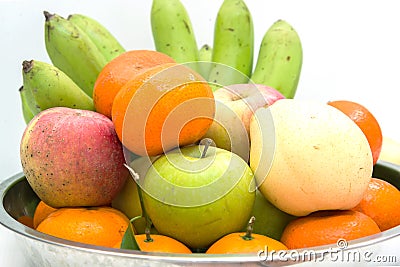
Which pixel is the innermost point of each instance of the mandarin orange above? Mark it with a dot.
(41, 212)
(160, 243)
(245, 242)
(381, 202)
(101, 226)
(327, 227)
(235, 243)
(164, 107)
(26, 220)
(366, 121)
(119, 71)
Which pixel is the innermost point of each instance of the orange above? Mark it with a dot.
(41, 212)
(101, 226)
(366, 121)
(235, 243)
(160, 243)
(327, 227)
(161, 108)
(245, 242)
(26, 220)
(381, 202)
(119, 71)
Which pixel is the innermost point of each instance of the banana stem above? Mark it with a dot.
(27, 65)
(47, 15)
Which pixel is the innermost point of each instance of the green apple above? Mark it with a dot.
(270, 220)
(198, 194)
(235, 105)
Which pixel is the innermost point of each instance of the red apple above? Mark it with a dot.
(73, 157)
(235, 105)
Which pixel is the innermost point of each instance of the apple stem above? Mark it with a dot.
(249, 231)
(207, 142)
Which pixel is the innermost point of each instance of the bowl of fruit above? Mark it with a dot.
(183, 156)
(20, 202)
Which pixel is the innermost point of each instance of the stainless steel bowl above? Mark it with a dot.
(43, 250)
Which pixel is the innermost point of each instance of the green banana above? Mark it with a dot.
(47, 86)
(107, 44)
(205, 53)
(27, 112)
(172, 31)
(73, 52)
(27, 95)
(280, 59)
(233, 44)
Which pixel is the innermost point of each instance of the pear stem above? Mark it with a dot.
(207, 142)
(249, 231)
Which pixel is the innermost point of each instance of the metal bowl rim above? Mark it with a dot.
(18, 228)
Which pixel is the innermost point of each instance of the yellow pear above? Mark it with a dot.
(308, 156)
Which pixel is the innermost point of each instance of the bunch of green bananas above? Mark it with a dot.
(279, 60)
(78, 47)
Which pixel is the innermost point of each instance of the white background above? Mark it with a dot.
(351, 51)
